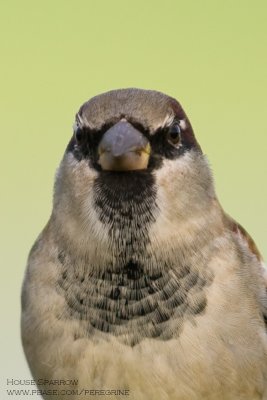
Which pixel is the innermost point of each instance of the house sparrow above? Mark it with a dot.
(140, 282)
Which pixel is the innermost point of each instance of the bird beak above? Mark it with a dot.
(123, 148)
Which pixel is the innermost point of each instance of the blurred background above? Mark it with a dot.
(211, 55)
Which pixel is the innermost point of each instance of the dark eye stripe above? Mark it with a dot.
(79, 134)
(169, 142)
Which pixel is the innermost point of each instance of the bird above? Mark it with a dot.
(141, 285)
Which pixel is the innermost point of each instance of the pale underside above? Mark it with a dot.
(187, 325)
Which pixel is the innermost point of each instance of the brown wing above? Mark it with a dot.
(241, 232)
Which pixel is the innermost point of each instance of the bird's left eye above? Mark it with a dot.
(174, 134)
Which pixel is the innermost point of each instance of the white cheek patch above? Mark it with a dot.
(173, 169)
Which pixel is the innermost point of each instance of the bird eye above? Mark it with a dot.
(174, 134)
(79, 135)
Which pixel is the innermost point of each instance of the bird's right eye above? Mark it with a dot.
(79, 135)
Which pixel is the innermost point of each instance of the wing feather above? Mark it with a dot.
(245, 236)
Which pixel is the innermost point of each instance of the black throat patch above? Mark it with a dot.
(126, 204)
(136, 296)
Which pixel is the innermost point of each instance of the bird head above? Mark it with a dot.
(133, 151)
(130, 130)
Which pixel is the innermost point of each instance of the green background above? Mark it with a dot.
(211, 55)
